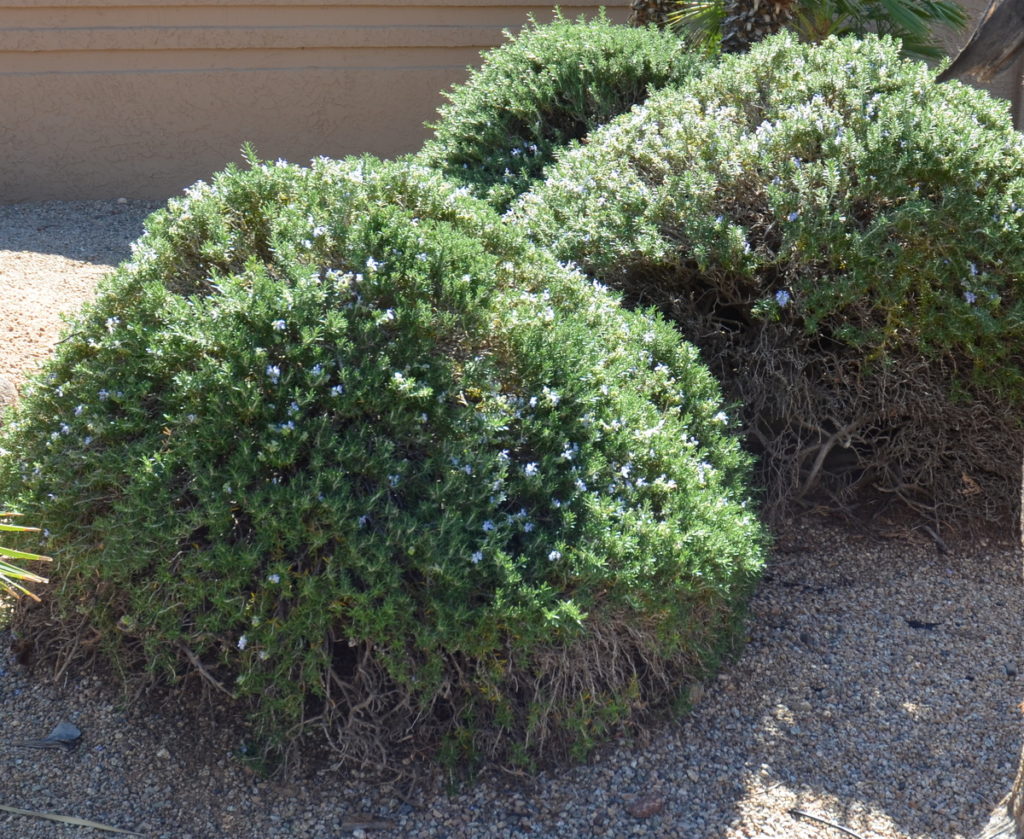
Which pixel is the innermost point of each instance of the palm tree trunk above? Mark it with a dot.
(651, 11)
(1016, 804)
(1007, 822)
(749, 21)
(997, 41)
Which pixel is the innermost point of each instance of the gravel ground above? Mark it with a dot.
(51, 256)
(879, 689)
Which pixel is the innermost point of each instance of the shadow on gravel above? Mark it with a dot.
(879, 690)
(99, 232)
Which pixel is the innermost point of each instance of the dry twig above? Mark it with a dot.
(198, 665)
(836, 825)
(54, 817)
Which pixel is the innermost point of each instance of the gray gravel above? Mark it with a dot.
(98, 232)
(879, 690)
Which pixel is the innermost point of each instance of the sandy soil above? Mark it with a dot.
(51, 257)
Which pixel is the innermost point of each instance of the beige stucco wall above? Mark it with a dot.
(139, 98)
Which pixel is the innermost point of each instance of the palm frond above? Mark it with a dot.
(914, 22)
(699, 23)
(12, 576)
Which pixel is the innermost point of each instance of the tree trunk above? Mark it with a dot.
(1007, 822)
(997, 41)
(749, 21)
(1016, 803)
(651, 11)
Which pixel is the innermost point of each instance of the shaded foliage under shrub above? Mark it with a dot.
(343, 442)
(548, 86)
(844, 239)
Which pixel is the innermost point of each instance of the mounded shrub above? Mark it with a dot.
(844, 239)
(549, 85)
(339, 441)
